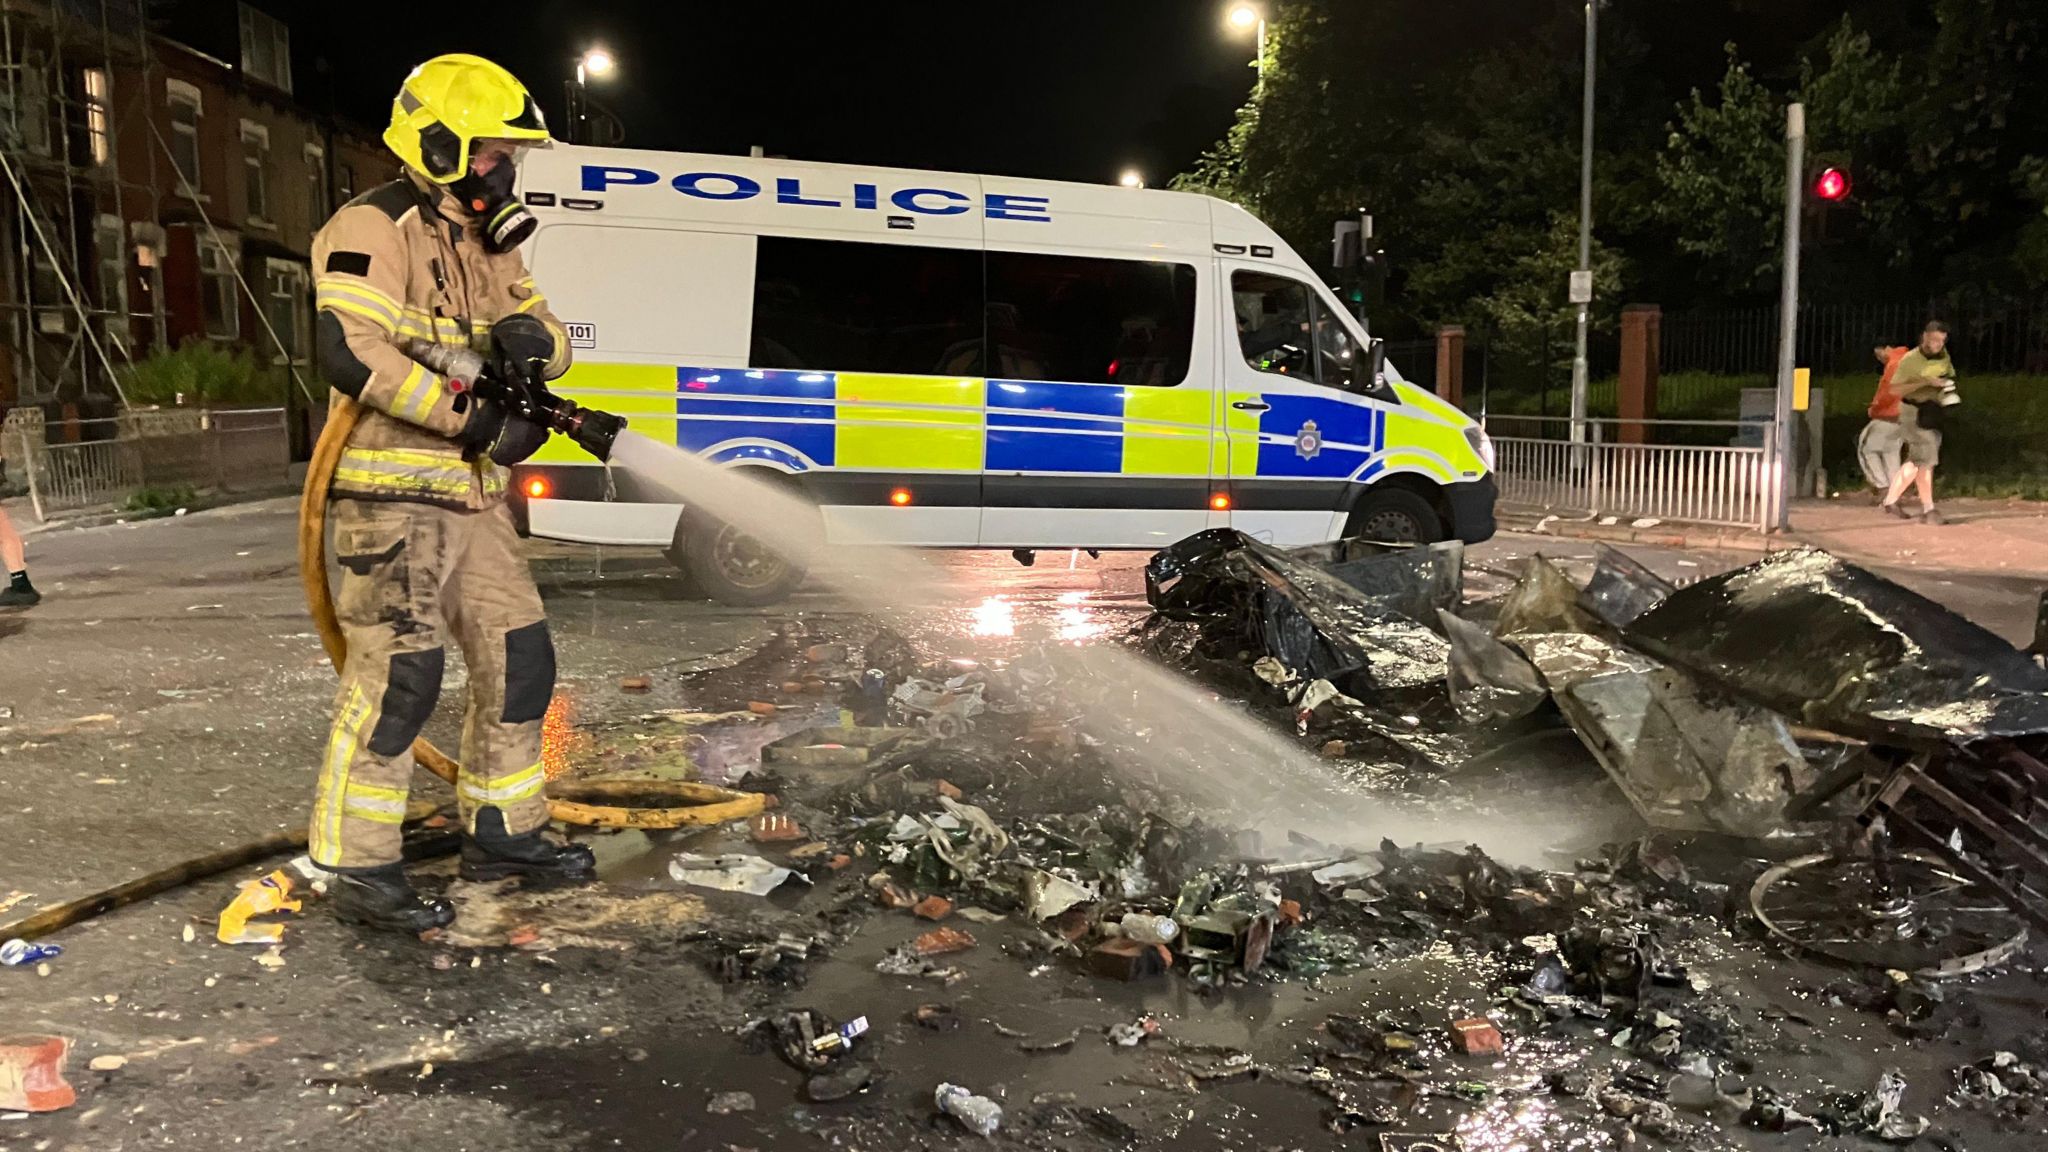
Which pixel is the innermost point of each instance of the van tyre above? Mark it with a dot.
(1395, 515)
(732, 567)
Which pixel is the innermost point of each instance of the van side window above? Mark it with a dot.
(1275, 318)
(1284, 328)
(1090, 320)
(835, 305)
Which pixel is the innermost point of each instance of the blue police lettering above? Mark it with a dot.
(1005, 207)
(690, 184)
(598, 177)
(789, 190)
(906, 199)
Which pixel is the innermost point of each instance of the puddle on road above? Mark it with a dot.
(643, 1090)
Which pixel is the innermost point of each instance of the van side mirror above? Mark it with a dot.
(1376, 365)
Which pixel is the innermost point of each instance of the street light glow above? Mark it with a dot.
(1131, 179)
(598, 62)
(1243, 17)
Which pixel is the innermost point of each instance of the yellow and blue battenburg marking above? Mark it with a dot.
(804, 420)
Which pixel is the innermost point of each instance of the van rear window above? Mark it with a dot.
(836, 305)
(839, 306)
(1090, 320)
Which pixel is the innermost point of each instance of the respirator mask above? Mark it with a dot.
(505, 221)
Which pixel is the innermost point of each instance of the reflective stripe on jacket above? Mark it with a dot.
(403, 262)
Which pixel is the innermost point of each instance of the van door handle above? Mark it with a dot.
(1250, 405)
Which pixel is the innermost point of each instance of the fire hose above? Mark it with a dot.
(681, 803)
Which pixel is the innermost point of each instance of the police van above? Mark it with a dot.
(962, 361)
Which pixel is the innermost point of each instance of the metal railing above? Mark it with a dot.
(106, 462)
(1733, 483)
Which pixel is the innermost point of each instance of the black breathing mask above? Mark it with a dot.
(504, 220)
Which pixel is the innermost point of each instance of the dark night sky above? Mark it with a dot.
(1066, 90)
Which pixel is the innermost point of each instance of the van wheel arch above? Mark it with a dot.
(1403, 506)
(701, 545)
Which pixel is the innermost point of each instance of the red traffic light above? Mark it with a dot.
(1831, 184)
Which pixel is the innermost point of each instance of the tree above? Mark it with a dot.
(1528, 305)
(1457, 126)
(1723, 171)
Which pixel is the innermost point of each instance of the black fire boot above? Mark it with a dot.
(490, 854)
(383, 898)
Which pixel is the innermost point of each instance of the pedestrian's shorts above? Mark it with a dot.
(1923, 445)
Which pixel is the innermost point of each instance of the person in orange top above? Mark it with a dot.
(1880, 444)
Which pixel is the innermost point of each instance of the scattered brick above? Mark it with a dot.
(32, 1074)
(1476, 1037)
(942, 941)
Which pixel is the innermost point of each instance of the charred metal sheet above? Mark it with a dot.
(1622, 589)
(1489, 681)
(1349, 627)
(1543, 600)
(1683, 762)
(1840, 648)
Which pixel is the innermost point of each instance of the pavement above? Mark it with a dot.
(169, 698)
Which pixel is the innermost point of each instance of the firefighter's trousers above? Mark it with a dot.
(413, 576)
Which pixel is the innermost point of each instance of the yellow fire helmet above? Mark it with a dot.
(452, 101)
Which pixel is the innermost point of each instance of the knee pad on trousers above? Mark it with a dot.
(529, 673)
(409, 695)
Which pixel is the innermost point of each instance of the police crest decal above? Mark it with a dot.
(1308, 442)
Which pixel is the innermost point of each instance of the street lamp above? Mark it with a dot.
(595, 64)
(1245, 17)
(1582, 281)
(1132, 179)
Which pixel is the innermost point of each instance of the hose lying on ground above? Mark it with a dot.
(688, 804)
(57, 917)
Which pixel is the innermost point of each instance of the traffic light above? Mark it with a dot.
(1831, 185)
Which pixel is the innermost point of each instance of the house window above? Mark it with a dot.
(255, 159)
(97, 102)
(266, 49)
(345, 182)
(46, 294)
(28, 119)
(145, 281)
(286, 306)
(317, 209)
(110, 247)
(217, 280)
(185, 107)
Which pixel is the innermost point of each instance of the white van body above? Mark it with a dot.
(953, 360)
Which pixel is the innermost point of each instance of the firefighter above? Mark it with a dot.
(426, 544)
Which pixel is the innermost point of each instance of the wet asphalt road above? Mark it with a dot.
(169, 699)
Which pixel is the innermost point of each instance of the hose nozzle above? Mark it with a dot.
(592, 430)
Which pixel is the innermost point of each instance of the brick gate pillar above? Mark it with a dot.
(1450, 363)
(1639, 356)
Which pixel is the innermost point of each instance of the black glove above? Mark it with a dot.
(506, 438)
(523, 345)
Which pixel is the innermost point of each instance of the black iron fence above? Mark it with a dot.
(1526, 372)
(1985, 336)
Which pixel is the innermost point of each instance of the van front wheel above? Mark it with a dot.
(1394, 516)
(731, 566)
